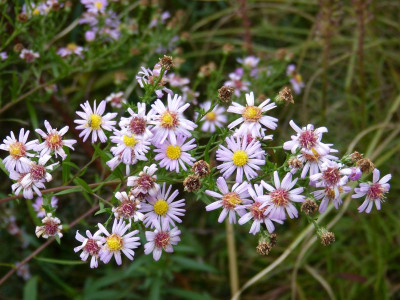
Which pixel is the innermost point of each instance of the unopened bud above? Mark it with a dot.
(225, 93)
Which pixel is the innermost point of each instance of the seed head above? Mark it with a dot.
(326, 236)
(284, 96)
(309, 206)
(225, 93)
(201, 168)
(18, 47)
(192, 183)
(22, 17)
(295, 163)
(263, 248)
(166, 62)
(227, 48)
(365, 165)
(356, 156)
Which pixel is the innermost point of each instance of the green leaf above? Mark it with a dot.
(83, 184)
(68, 191)
(60, 261)
(191, 264)
(30, 289)
(66, 167)
(32, 114)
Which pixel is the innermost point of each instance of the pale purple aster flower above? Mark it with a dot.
(90, 246)
(256, 213)
(93, 122)
(138, 123)
(249, 62)
(51, 227)
(307, 139)
(17, 187)
(331, 193)
(252, 117)
(213, 119)
(35, 9)
(3, 55)
(332, 174)
(162, 208)
(237, 83)
(375, 191)
(38, 206)
(129, 207)
(175, 80)
(355, 173)
(169, 120)
(90, 36)
(145, 183)
(295, 78)
(162, 238)
(281, 196)
(162, 18)
(95, 6)
(118, 241)
(231, 201)
(71, 48)
(312, 163)
(28, 55)
(240, 156)
(53, 141)
(90, 19)
(173, 155)
(116, 99)
(147, 76)
(23, 270)
(18, 148)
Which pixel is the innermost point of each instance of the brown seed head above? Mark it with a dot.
(192, 183)
(365, 165)
(201, 168)
(227, 48)
(309, 206)
(284, 96)
(356, 156)
(22, 17)
(18, 47)
(327, 238)
(166, 62)
(295, 163)
(225, 93)
(263, 248)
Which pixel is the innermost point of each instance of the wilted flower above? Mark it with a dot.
(51, 227)
(201, 168)
(192, 183)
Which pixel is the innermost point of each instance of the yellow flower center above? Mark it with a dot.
(95, 121)
(72, 46)
(169, 120)
(251, 113)
(298, 78)
(240, 158)
(17, 150)
(130, 141)
(173, 152)
(114, 242)
(230, 200)
(211, 116)
(36, 11)
(161, 207)
(99, 5)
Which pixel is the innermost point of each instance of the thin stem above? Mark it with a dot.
(233, 268)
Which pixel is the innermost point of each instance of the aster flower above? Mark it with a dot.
(71, 48)
(145, 183)
(355, 173)
(28, 55)
(213, 119)
(231, 201)
(23, 270)
(27, 191)
(375, 191)
(252, 116)
(171, 156)
(163, 238)
(51, 227)
(332, 174)
(93, 122)
(35, 9)
(257, 213)
(162, 208)
(37, 175)
(312, 163)
(38, 206)
(147, 76)
(175, 80)
(237, 83)
(91, 246)
(137, 123)
(249, 62)
(3, 55)
(118, 241)
(331, 193)
(169, 121)
(95, 6)
(280, 197)
(295, 78)
(53, 141)
(163, 17)
(18, 148)
(116, 99)
(128, 208)
(307, 139)
(240, 156)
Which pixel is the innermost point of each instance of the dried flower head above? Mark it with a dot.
(207, 69)
(18, 47)
(356, 156)
(263, 248)
(295, 163)
(326, 236)
(201, 168)
(309, 206)
(272, 239)
(166, 62)
(192, 183)
(365, 165)
(225, 93)
(227, 48)
(22, 17)
(284, 96)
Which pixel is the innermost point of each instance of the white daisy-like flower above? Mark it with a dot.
(129, 207)
(237, 83)
(18, 148)
(138, 123)
(27, 191)
(249, 62)
(169, 121)
(213, 119)
(95, 6)
(71, 48)
(312, 163)
(91, 246)
(93, 122)
(53, 141)
(145, 183)
(171, 156)
(29, 55)
(38, 206)
(240, 156)
(51, 227)
(118, 241)
(257, 213)
(307, 139)
(231, 201)
(147, 76)
(252, 116)
(295, 78)
(374, 190)
(280, 197)
(116, 99)
(163, 238)
(162, 208)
